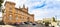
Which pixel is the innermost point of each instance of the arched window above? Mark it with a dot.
(10, 8)
(28, 19)
(16, 11)
(16, 18)
(10, 17)
(22, 13)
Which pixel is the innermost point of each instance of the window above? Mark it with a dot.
(22, 13)
(16, 18)
(16, 15)
(10, 9)
(10, 17)
(22, 18)
(4, 13)
(4, 18)
(28, 19)
(16, 11)
(10, 13)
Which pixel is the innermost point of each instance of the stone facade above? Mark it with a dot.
(13, 15)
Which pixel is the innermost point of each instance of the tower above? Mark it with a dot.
(23, 6)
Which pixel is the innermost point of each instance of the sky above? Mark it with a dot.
(41, 8)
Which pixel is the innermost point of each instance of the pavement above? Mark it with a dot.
(6, 26)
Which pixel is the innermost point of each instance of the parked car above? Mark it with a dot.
(17, 23)
(22, 23)
(34, 23)
(26, 22)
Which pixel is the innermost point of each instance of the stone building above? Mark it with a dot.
(12, 14)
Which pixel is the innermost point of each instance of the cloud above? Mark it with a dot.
(53, 4)
(43, 13)
(51, 9)
(0, 14)
(39, 6)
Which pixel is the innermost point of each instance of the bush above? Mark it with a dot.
(47, 23)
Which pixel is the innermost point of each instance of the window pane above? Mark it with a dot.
(16, 18)
(10, 17)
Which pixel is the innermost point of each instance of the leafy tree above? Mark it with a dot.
(54, 19)
(1, 1)
(47, 23)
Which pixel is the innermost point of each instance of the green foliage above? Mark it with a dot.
(2, 11)
(54, 19)
(47, 23)
(1, 1)
(0, 5)
(1, 23)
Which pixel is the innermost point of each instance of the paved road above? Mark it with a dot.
(38, 25)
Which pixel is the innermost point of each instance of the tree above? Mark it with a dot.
(47, 23)
(54, 19)
(1, 1)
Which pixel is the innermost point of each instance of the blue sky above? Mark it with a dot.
(41, 8)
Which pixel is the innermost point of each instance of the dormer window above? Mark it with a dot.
(10, 8)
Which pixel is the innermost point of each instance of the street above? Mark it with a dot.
(37, 25)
